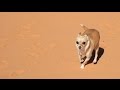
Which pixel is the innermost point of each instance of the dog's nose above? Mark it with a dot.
(79, 47)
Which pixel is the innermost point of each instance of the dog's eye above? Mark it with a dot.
(77, 42)
(83, 43)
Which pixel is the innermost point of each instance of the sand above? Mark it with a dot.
(41, 45)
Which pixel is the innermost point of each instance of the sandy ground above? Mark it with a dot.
(42, 45)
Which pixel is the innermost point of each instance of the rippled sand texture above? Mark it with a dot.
(42, 44)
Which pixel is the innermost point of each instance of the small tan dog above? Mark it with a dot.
(86, 43)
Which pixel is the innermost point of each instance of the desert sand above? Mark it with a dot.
(41, 45)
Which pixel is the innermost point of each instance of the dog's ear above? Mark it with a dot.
(86, 37)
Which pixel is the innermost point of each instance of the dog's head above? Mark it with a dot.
(81, 42)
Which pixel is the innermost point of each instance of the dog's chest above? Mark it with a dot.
(82, 54)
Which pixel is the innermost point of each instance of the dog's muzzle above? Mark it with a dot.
(79, 47)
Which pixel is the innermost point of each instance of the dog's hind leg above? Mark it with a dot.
(96, 55)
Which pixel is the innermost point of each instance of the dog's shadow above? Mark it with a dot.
(100, 53)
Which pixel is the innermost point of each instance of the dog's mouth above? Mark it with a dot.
(82, 50)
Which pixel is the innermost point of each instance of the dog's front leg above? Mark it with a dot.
(88, 56)
(82, 60)
(85, 62)
(80, 57)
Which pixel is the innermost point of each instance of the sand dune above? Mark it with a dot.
(42, 44)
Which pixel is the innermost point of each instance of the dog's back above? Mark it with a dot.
(93, 35)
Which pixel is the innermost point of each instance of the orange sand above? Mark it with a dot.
(42, 45)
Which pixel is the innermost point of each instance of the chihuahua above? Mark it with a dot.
(86, 43)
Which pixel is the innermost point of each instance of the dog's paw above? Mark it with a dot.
(81, 61)
(94, 62)
(82, 66)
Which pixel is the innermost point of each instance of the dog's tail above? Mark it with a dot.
(84, 27)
